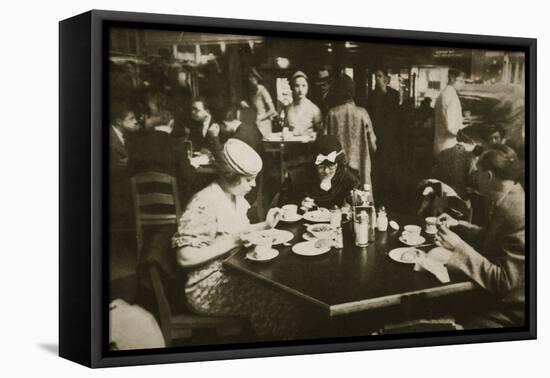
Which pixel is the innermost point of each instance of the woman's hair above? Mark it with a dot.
(297, 75)
(344, 89)
(502, 161)
(226, 173)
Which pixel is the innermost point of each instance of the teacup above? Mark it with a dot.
(431, 225)
(290, 211)
(411, 233)
(262, 249)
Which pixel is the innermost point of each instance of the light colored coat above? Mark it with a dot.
(448, 119)
(352, 125)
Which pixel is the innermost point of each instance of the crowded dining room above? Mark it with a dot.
(276, 189)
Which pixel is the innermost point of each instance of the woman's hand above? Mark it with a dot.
(446, 238)
(273, 216)
(307, 204)
(244, 105)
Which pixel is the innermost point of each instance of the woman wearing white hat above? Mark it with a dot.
(209, 228)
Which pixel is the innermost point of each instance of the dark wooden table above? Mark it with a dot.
(349, 280)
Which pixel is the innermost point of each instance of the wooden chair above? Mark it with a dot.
(181, 326)
(156, 202)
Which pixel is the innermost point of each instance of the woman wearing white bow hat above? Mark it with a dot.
(210, 228)
(328, 182)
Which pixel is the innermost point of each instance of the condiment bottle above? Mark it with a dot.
(361, 228)
(382, 220)
(368, 203)
(336, 223)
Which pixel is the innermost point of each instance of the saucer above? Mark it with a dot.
(275, 235)
(308, 248)
(404, 255)
(266, 257)
(418, 241)
(320, 215)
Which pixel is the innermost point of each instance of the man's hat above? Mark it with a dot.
(323, 76)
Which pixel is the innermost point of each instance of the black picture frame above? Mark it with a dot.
(83, 285)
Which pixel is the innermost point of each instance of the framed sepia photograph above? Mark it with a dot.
(235, 188)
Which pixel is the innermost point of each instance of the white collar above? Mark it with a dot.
(206, 125)
(119, 134)
(164, 128)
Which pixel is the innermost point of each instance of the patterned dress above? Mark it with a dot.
(211, 289)
(352, 126)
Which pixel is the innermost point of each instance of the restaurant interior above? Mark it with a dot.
(153, 69)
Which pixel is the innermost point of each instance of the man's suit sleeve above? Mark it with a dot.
(500, 277)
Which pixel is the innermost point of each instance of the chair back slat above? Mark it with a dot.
(149, 177)
(148, 199)
(156, 201)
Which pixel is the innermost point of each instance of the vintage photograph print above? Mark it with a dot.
(273, 190)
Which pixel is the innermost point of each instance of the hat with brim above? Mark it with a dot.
(323, 77)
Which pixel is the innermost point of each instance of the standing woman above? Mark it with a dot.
(261, 102)
(303, 116)
(352, 126)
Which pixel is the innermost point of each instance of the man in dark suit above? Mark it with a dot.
(158, 151)
(123, 126)
(233, 127)
(202, 122)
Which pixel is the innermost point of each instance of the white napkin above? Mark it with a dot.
(433, 262)
(197, 161)
(326, 185)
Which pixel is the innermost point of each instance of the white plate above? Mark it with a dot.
(267, 257)
(308, 236)
(405, 255)
(317, 216)
(277, 236)
(418, 241)
(308, 248)
(296, 218)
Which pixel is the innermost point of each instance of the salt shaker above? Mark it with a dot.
(336, 223)
(382, 220)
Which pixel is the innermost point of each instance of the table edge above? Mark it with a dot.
(395, 299)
